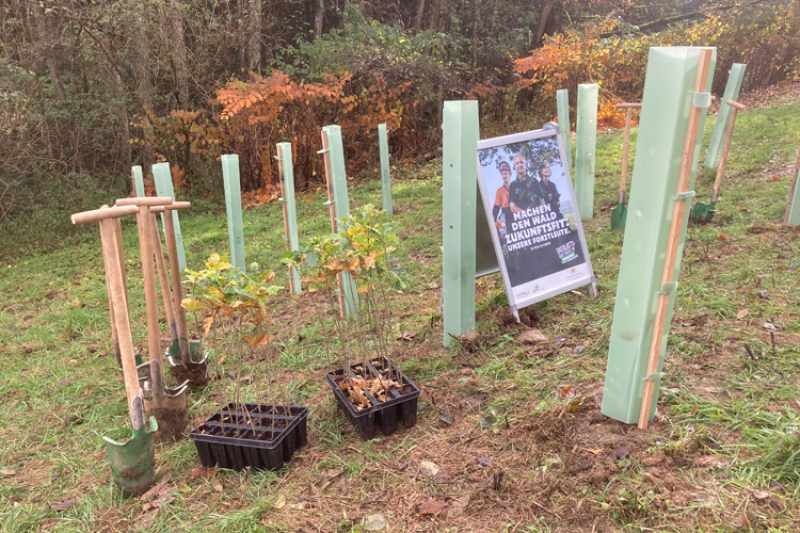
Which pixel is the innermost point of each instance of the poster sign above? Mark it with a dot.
(533, 216)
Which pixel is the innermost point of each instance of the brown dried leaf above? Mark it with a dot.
(742, 313)
(202, 472)
(594, 451)
(63, 506)
(216, 484)
(760, 495)
(7, 472)
(431, 507)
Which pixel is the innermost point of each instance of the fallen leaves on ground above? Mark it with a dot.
(62, 506)
(531, 336)
(431, 507)
(742, 313)
(429, 469)
(157, 496)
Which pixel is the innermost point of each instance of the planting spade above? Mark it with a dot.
(169, 406)
(702, 213)
(163, 276)
(195, 372)
(131, 462)
(620, 213)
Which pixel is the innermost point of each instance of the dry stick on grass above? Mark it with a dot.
(674, 240)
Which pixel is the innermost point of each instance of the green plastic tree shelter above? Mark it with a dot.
(669, 97)
(386, 184)
(732, 88)
(163, 178)
(562, 102)
(286, 170)
(233, 207)
(585, 143)
(791, 216)
(460, 196)
(138, 181)
(336, 175)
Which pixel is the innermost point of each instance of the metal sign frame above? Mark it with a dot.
(550, 130)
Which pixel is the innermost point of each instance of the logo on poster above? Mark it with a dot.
(566, 252)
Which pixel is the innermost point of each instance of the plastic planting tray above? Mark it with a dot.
(402, 406)
(260, 436)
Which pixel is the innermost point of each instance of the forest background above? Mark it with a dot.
(90, 87)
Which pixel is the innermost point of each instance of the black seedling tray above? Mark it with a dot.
(386, 415)
(227, 438)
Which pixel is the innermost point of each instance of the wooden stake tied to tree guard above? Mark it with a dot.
(162, 175)
(286, 177)
(673, 242)
(791, 216)
(339, 205)
(703, 212)
(386, 183)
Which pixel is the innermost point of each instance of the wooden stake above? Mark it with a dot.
(735, 107)
(286, 215)
(792, 190)
(678, 211)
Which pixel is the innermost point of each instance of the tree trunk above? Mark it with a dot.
(319, 17)
(124, 121)
(42, 33)
(493, 20)
(179, 51)
(420, 14)
(255, 35)
(144, 86)
(475, 17)
(537, 37)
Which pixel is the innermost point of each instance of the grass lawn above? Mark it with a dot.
(514, 428)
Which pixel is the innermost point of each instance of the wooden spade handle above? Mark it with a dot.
(631, 105)
(146, 250)
(163, 278)
(120, 315)
(674, 239)
(146, 201)
(98, 215)
(625, 143)
(180, 312)
(736, 105)
(178, 205)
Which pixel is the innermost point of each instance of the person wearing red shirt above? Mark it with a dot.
(501, 212)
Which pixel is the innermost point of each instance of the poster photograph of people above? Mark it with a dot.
(530, 204)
